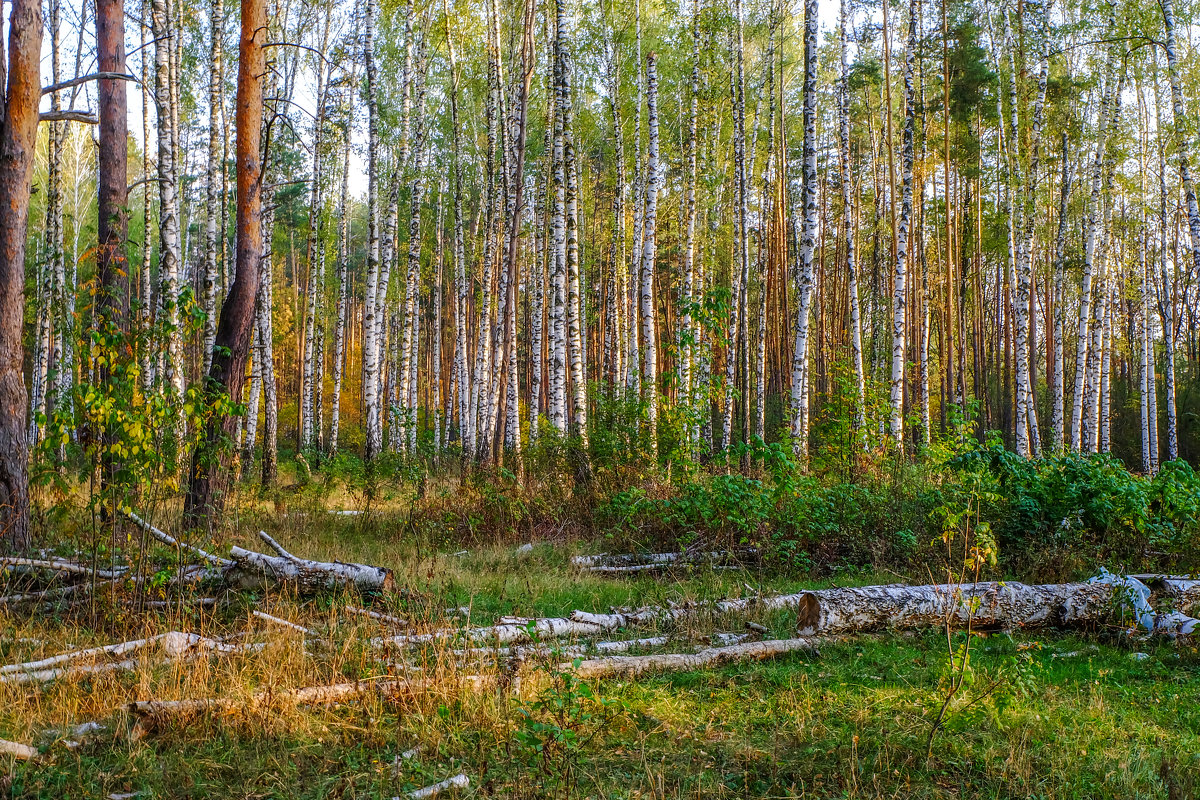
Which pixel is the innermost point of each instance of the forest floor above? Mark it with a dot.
(1051, 715)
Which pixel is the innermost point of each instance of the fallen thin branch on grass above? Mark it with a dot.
(171, 541)
(52, 594)
(284, 623)
(386, 618)
(61, 565)
(164, 710)
(632, 666)
(459, 781)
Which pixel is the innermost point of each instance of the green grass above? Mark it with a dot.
(1047, 716)
(850, 723)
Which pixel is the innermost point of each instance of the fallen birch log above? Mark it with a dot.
(60, 565)
(982, 605)
(248, 569)
(251, 569)
(641, 561)
(173, 644)
(459, 781)
(504, 633)
(633, 666)
(18, 750)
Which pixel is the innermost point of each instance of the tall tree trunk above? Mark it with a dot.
(370, 345)
(574, 324)
(170, 253)
(1108, 101)
(266, 350)
(649, 255)
(900, 278)
(687, 332)
(1058, 423)
(18, 147)
(225, 378)
(1180, 128)
(808, 240)
(846, 180)
(314, 258)
(1026, 423)
(216, 165)
(112, 269)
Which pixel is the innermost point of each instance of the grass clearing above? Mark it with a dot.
(1053, 715)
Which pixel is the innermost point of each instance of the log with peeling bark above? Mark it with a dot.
(983, 605)
(251, 569)
(633, 666)
(504, 633)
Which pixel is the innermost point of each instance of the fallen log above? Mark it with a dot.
(987, 605)
(60, 565)
(173, 644)
(504, 633)
(252, 570)
(459, 781)
(632, 666)
(18, 750)
(248, 569)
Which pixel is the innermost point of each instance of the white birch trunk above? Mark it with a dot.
(649, 256)
(1091, 232)
(900, 282)
(856, 347)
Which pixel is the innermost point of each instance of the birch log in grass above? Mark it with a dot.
(255, 569)
(633, 666)
(982, 605)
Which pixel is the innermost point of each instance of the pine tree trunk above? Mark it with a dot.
(18, 147)
(210, 459)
